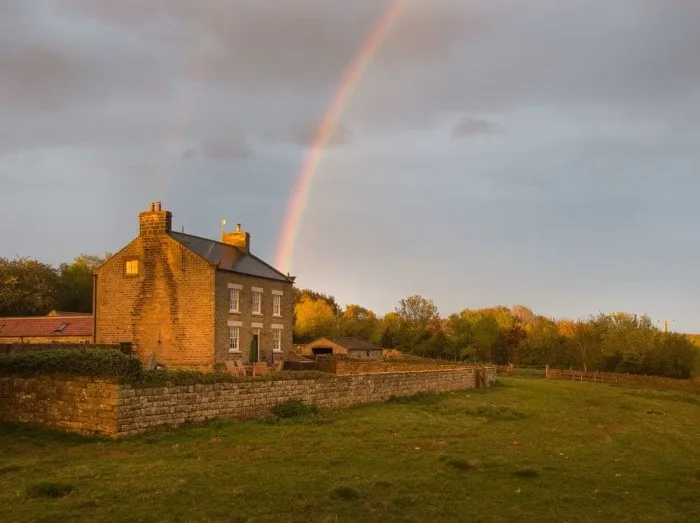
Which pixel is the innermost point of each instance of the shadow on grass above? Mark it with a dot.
(420, 398)
(49, 489)
(496, 412)
(345, 493)
(20, 433)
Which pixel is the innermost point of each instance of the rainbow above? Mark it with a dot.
(351, 76)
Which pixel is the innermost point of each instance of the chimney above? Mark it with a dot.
(240, 239)
(155, 221)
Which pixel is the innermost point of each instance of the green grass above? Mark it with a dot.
(527, 450)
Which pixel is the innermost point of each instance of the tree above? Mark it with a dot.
(300, 294)
(420, 320)
(358, 321)
(389, 330)
(522, 313)
(313, 319)
(27, 287)
(76, 281)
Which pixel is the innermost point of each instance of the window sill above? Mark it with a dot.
(234, 351)
(276, 315)
(257, 314)
(234, 312)
(277, 351)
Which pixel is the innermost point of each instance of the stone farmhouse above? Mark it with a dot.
(188, 302)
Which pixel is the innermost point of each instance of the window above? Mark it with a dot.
(234, 300)
(234, 333)
(61, 327)
(131, 267)
(276, 305)
(257, 302)
(277, 339)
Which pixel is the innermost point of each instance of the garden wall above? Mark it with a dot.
(94, 407)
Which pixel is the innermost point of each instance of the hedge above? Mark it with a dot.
(92, 363)
(112, 365)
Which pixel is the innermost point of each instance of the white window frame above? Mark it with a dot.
(257, 293)
(234, 290)
(234, 338)
(277, 338)
(276, 304)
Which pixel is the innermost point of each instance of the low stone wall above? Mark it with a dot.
(347, 366)
(79, 405)
(101, 408)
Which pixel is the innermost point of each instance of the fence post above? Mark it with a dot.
(546, 372)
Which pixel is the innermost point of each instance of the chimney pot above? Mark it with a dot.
(238, 227)
(160, 206)
(152, 206)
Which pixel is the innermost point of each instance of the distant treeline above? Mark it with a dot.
(618, 342)
(31, 288)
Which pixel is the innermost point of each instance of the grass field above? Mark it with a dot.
(526, 450)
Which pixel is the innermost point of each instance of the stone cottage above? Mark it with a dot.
(190, 302)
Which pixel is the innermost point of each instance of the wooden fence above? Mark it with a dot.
(632, 380)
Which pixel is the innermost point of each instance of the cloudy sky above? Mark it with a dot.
(494, 151)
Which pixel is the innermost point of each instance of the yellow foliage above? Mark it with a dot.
(314, 318)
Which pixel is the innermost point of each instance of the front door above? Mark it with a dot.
(255, 346)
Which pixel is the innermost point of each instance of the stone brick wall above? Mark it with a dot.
(79, 405)
(248, 320)
(96, 407)
(167, 309)
(343, 366)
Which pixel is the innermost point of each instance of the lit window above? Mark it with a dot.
(276, 339)
(276, 305)
(257, 302)
(131, 267)
(234, 339)
(234, 300)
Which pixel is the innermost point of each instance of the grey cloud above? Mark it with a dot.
(303, 135)
(227, 148)
(468, 126)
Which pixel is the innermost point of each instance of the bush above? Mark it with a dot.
(92, 363)
(293, 409)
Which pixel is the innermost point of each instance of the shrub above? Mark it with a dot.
(94, 363)
(293, 409)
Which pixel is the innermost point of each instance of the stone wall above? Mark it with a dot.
(82, 406)
(96, 407)
(345, 366)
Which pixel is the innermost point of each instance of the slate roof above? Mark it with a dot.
(351, 343)
(46, 326)
(228, 257)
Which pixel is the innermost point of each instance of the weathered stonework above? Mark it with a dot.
(263, 321)
(175, 309)
(88, 407)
